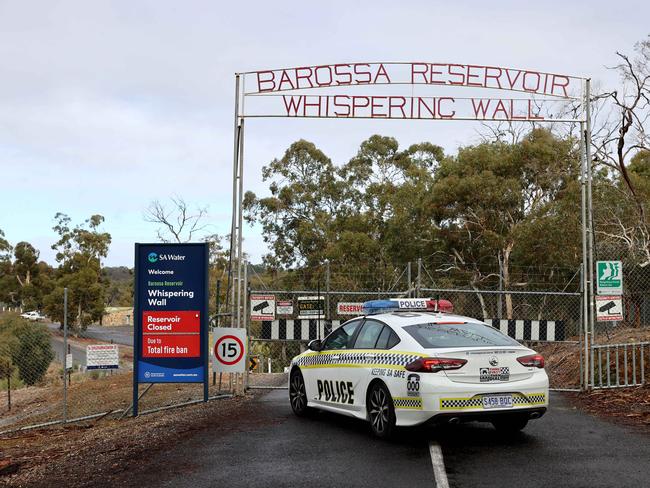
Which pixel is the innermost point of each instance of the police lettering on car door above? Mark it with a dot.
(336, 391)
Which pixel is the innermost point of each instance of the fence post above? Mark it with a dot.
(418, 287)
(327, 291)
(408, 277)
(246, 328)
(500, 296)
(216, 324)
(65, 354)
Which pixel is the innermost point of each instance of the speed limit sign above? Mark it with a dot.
(228, 350)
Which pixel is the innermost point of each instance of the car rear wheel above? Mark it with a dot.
(297, 394)
(381, 410)
(510, 424)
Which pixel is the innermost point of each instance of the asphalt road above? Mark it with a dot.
(78, 352)
(267, 446)
(119, 335)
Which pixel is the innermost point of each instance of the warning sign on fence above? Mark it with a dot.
(311, 307)
(284, 307)
(609, 308)
(102, 356)
(262, 307)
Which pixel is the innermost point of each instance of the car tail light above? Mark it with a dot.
(532, 361)
(433, 365)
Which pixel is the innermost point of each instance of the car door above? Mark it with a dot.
(327, 379)
(372, 342)
(365, 354)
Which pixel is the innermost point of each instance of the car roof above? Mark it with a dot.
(411, 317)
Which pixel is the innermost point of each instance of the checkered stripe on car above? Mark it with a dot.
(534, 399)
(356, 358)
(408, 403)
(518, 399)
(450, 403)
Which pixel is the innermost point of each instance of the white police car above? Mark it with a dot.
(405, 363)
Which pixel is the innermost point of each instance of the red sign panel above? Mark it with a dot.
(171, 334)
(171, 346)
(182, 321)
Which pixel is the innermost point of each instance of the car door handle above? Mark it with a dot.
(336, 357)
(371, 356)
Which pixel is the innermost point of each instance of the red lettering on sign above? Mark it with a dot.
(367, 78)
(267, 84)
(339, 72)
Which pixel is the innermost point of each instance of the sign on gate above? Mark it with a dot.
(171, 313)
(609, 277)
(311, 307)
(284, 307)
(349, 308)
(229, 350)
(262, 307)
(609, 308)
(102, 356)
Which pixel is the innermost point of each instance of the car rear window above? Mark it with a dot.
(431, 335)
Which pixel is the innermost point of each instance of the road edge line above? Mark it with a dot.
(438, 463)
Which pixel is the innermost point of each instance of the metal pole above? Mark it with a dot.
(216, 322)
(233, 228)
(65, 354)
(500, 296)
(590, 215)
(327, 291)
(240, 217)
(408, 277)
(585, 272)
(419, 279)
(245, 314)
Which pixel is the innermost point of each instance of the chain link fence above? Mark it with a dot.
(32, 375)
(548, 321)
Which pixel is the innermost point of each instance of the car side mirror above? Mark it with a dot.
(315, 345)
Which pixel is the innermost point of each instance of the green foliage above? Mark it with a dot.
(513, 204)
(79, 252)
(26, 346)
(24, 280)
(355, 215)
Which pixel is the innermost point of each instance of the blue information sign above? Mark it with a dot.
(171, 314)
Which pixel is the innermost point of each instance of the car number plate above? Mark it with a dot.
(497, 401)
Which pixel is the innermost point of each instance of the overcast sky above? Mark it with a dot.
(107, 105)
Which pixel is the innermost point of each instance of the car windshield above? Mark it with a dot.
(431, 335)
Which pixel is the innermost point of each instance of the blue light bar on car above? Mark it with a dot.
(419, 304)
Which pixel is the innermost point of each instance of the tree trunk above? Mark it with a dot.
(506, 278)
(481, 300)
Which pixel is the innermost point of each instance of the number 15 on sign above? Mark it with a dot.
(228, 350)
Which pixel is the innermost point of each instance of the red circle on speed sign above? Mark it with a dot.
(222, 358)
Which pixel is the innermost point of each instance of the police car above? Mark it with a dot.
(409, 361)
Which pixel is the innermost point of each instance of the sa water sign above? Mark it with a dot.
(171, 313)
(229, 350)
(609, 276)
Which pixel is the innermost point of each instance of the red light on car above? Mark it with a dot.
(433, 365)
(443, 306)
(532, 361)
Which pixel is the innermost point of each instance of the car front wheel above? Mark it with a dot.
(297, 394)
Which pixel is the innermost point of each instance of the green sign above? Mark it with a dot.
(609, 277)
